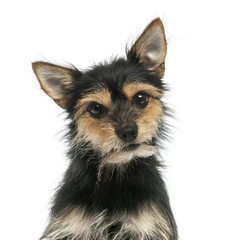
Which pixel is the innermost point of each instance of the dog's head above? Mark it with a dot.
(115, 107)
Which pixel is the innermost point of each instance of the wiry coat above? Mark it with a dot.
(113, 189)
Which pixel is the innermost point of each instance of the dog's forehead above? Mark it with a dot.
(116, 83)
(115, 75)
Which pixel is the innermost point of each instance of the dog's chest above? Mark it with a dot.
(147, 223)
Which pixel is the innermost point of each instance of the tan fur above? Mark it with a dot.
(149, 118)
(101, 96)
(149, 222)
(130, 88)
(154, 33)
(120, 160)
(45, 71)
(97, 131)
(101, 132)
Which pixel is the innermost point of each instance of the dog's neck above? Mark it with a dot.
(126, 187)
(138, 194)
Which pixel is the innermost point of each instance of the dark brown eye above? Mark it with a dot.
(97, 110)
(141, 99)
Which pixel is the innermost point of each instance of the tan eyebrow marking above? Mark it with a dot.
(100, 96)
(130, 89)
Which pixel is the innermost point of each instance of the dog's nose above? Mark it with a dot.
(128, 133)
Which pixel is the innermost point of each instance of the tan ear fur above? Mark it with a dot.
(151, 47)
(56, 81)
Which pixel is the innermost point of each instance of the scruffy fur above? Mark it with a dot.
(113, 189)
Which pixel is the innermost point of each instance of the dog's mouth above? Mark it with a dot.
(131, 147)
(134, 146)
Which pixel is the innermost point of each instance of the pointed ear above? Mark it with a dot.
(56, 81)
(151, 47)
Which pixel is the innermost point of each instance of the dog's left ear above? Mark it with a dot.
(150, 48)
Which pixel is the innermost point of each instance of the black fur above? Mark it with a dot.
(112, 75)
(141, 182)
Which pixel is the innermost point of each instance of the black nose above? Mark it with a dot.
(127, 134)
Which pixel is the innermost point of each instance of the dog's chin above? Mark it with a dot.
(131, 147)
(129, 152)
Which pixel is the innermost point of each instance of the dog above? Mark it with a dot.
(113, 188)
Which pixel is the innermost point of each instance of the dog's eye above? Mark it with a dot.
(141, 99)
(97, 110)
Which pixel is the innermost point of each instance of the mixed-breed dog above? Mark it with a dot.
(113, 189)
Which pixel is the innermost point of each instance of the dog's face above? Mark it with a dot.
(115, 107)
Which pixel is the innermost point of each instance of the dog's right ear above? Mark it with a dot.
(56, 81)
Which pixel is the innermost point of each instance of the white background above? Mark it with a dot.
(199, 71)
